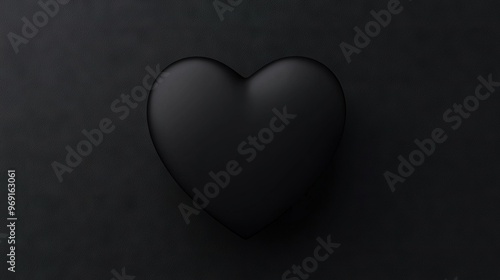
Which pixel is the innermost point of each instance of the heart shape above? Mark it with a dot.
(247, 149)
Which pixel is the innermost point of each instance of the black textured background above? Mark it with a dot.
(119, 207)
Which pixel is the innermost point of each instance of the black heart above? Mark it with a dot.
(202, 115)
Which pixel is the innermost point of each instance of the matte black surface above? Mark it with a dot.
(119, 207)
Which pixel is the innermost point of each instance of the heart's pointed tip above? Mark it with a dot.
(245, 237)
(245, 234)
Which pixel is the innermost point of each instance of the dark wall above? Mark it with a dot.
(118, 208)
